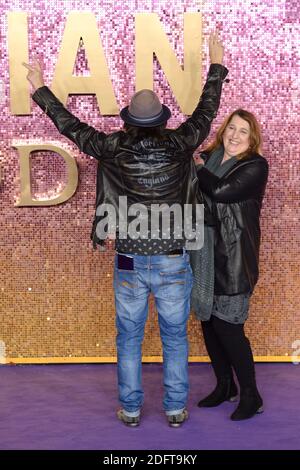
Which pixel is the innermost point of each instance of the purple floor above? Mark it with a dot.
(73, 407)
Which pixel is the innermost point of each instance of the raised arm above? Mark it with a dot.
(195, 129)
(88, 139)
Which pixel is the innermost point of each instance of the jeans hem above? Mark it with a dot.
(174, 412)
(132, 414)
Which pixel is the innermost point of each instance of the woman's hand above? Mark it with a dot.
(216, 49)
(198, 160)
(35, 74)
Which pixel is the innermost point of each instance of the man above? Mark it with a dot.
(148, 164)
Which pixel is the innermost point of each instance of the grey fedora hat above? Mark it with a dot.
(145, 110)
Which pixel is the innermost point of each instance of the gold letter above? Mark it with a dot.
(83, 24)
(151, 38)
(18, 53)
(25, 193)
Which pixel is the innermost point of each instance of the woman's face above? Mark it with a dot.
(236, 137)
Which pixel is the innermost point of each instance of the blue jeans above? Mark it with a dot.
(169, 278)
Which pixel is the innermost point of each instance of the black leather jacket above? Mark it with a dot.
(236, 204)
(145, 171)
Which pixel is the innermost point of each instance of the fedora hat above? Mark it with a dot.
(145, 110)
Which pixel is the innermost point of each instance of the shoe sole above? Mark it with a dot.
(131, 425)
(230, 399)
(258, 412)
(177, 425)
(233, 399)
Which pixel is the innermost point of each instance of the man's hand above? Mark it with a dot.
(35, 74)
(216, 49)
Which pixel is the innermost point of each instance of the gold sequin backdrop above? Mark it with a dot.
(56, 297)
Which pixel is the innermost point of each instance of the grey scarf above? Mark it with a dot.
(202, 261)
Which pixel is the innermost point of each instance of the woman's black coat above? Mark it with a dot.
(236, 204)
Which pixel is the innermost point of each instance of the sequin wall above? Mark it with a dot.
(56, 297)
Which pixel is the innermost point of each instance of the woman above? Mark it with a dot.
(232, 180)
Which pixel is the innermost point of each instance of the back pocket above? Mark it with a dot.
(174, 284)
(126, 283)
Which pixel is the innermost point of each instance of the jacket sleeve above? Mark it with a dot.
(196, 128)
(88, 139)
(246, 182)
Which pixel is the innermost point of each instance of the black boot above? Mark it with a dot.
(250, 404)
(226, 390)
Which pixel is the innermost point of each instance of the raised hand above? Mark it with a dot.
(216, 48)
(35, 74)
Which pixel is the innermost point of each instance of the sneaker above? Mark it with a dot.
(128, 420)
(175, 421)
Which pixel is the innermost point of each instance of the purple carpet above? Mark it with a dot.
(73, 407)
